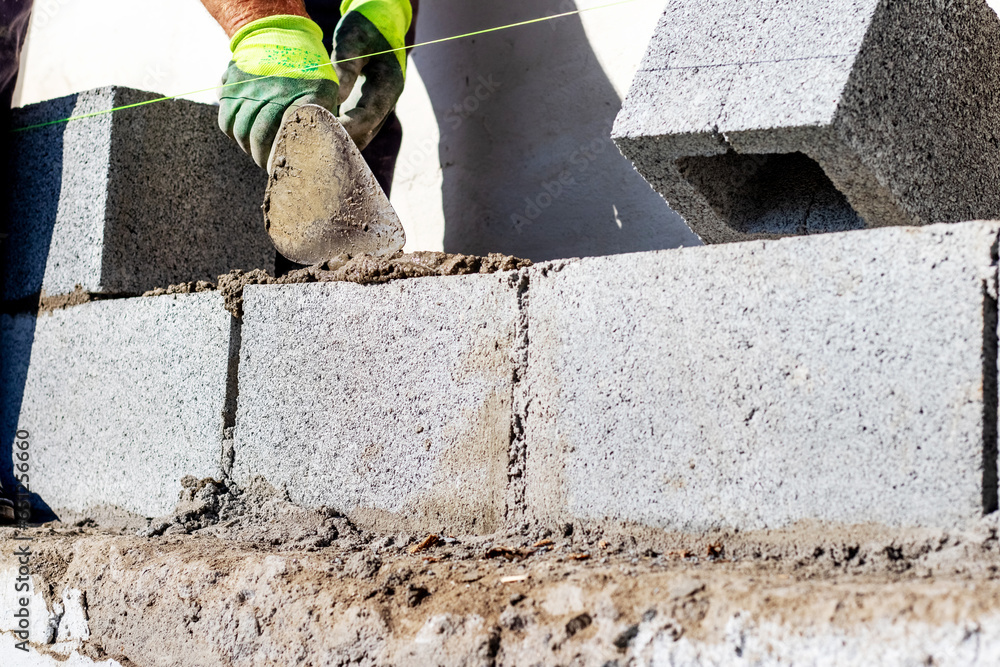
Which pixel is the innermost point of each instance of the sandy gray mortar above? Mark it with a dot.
(389, 403)
(203, 601)
(129, 201)
(122, 399)
(847, 378)
(759, 120)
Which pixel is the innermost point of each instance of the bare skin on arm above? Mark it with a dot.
(279, 61)
(234, 14)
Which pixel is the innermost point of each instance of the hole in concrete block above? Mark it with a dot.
(770, 194)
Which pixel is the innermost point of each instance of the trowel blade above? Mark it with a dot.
(322, 199)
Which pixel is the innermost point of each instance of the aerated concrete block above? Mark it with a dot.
(390, 403)
(125, 202)
(845, 378)
(758, 120)
(120, 398)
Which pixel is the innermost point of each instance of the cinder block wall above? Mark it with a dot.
(126, 202)
(848, 378)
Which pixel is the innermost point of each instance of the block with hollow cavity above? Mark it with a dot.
(761, 120)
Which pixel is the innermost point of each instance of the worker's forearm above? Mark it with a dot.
(234, 14)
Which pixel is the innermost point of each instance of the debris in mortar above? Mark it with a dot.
(427, 543)
(182, 288)
(75, 298)
(231, 285)
(42, 302)
(294, 584)
(578, 623)
(507, 553)
(198, 600)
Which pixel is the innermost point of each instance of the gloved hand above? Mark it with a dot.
(289, 51)
(367, 27)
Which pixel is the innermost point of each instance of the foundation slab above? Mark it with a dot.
(849, 378)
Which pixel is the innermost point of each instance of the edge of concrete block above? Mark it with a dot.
(123, 203)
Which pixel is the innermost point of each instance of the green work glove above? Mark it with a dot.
(289, 52)
(367, 27)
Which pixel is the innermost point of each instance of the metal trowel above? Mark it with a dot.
(322, 200)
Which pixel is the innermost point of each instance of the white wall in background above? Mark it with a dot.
(166, 46)
(513, 133)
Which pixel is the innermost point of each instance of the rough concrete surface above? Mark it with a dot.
(849, 378)
(121, 399)
(507, 599)
(360, 269)
(762, 120)
(388, 403)
(125, 202)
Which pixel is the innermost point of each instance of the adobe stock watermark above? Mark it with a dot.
(43, 12)
(22, 553)
(155, 74)
(551, 191)
(462, 111)
(417, 157)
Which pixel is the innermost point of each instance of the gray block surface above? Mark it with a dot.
(845, 378)
(121, 203)
(804, 116)
(121, 398)
(391, 403)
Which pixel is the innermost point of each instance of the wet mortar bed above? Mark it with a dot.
(362, 269)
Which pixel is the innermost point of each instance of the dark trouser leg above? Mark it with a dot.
(382, 151)
(14, 16)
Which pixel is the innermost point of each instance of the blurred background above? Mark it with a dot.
(506, 142)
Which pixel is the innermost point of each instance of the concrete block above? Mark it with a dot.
(391, 403)
(845, 378)
(121, 203)
(121, 399)
(760, 120)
